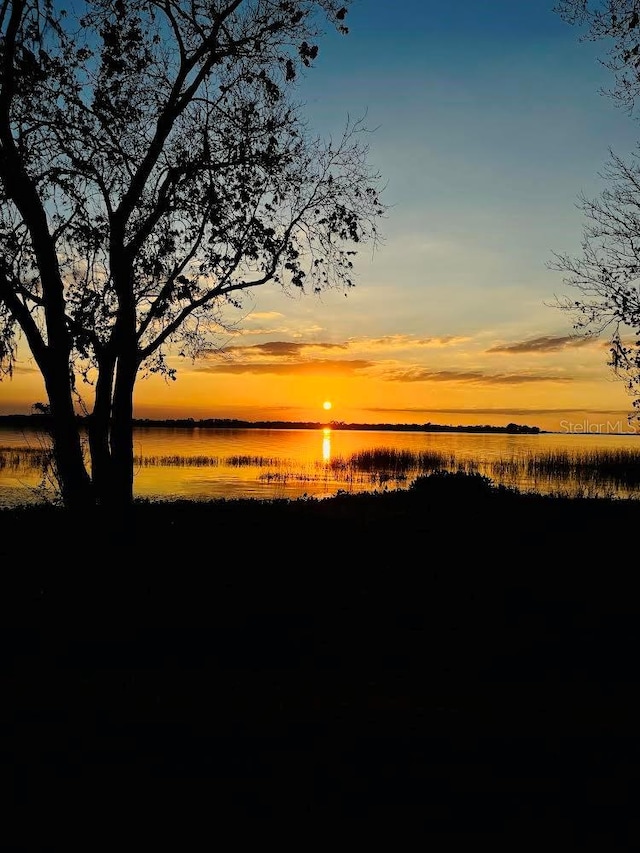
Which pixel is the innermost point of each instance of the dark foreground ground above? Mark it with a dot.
(454, 660)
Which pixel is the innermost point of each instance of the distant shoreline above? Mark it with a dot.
(42, 420)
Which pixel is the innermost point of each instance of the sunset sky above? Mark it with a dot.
(488, 124)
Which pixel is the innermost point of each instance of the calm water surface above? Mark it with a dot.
(202, 463)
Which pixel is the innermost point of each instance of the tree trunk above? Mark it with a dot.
(99, 430)
(74, 481)
(124, 346)
(122, 433)
(116, 487)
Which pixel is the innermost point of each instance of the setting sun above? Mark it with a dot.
(326, 405)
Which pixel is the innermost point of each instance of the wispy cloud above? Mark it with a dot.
(395, 342)
(416, 374)
(543, 344)
(265, 315)
(280, 348)
(282, 368)
(275, 324)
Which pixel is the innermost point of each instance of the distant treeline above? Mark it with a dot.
(41, 421)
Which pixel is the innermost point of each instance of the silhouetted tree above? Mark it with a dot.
(153, 167)
(606, 275)
(617, 24)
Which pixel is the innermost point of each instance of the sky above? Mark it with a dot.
(488, 123)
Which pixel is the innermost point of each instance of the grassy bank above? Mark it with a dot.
(453, 653)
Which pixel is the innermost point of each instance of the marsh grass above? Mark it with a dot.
(390, 461)
(579, 472)
(24, 458)
(30, 460)
(588, 469)
(376, 467)
(178, 461)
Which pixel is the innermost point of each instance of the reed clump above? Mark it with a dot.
(176, 461)
(24, 458)
(390, 461)
(615, 467)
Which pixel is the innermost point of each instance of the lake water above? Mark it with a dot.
(200, 463)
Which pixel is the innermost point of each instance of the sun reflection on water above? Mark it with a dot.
(326, 444)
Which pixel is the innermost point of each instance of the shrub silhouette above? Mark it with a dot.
(458, 484)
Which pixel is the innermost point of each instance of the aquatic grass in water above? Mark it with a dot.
(377, 467)
(577, 472)
(179, 461)
(254, 461)
(383, 466)
(24, 458)
(618, 467)
(399, 461)
(381, 460)
(176, 461)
